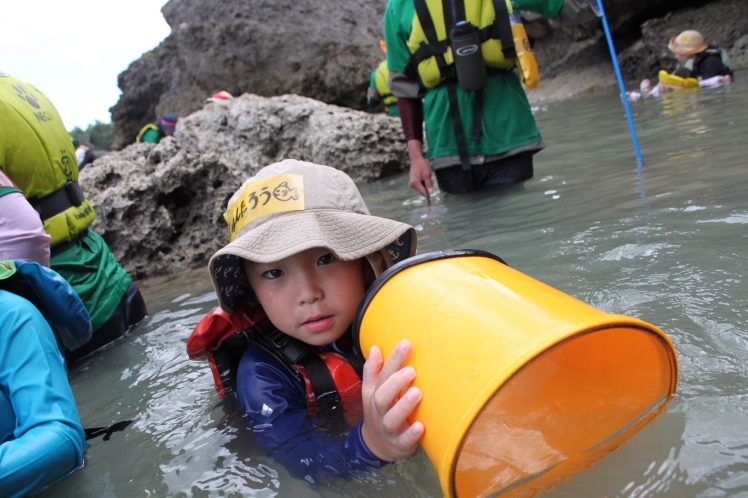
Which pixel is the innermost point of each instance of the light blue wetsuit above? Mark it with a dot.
(41, 438)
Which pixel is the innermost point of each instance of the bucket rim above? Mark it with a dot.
(397, 268)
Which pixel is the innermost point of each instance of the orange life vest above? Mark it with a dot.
(222, 338)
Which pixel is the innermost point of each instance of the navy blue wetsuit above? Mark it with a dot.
(274, 402)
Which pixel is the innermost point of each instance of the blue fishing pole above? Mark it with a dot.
(601, 14)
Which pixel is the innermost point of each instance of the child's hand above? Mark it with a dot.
(389, 399)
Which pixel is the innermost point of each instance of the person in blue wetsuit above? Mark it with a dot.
(304, 249)
(41, 438)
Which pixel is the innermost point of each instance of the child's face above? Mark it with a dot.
(682, 58)
(311, 295)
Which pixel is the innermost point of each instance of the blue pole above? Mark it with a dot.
(621, 87)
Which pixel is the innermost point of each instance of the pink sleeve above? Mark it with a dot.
(22, 233)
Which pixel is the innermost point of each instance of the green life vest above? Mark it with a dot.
(36, 152)
(433, 58)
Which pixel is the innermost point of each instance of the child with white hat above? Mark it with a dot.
(699, 65)
(303, 249)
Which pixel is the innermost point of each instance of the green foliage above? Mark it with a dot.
(100, 136)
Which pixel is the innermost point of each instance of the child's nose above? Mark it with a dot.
(309, 290)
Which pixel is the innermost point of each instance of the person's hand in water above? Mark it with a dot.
(389, 398)
(420, 170)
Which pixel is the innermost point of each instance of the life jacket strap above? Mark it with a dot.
(71, 195)
(292, 351)
(434, 47)
(454, 111)
(502, 29)
(477, 116)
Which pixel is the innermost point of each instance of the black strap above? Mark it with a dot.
(107, 431)
(454, 12)
(503, 29)
(320, 377)
(434, 47)
(348, 350)
(291, 352)
(58, 201)
(454, 111)
(477, 116)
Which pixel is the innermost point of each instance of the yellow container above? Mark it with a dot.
(523, 385)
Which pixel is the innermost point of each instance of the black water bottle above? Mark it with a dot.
(469, 64)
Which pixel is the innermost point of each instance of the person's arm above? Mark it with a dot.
(398, 18)
(411, 118)
(47, 442)
(274, 404)
(714, 81)
(23, 235)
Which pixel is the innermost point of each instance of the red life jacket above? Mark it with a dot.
(222, 338)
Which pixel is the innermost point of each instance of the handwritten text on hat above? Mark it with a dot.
(263, 197)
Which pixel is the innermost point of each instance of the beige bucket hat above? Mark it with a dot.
(687, 43)
(291, 206)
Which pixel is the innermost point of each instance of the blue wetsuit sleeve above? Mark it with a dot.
(41, 438)
(274, 403)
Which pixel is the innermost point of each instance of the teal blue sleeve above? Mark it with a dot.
(41, 438)
(548, 8)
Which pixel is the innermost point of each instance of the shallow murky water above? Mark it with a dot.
(663, 242)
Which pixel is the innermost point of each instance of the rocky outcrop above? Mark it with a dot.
(160, 206)
(326, 51)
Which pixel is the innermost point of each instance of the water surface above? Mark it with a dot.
(663, 242)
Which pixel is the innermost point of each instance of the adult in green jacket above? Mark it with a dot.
(475, 138)
(36, 153)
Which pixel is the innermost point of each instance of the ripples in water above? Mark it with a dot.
(663, 242)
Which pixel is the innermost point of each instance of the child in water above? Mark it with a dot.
(699, 65)
(304, 248)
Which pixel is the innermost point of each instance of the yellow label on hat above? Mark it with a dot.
(260, 198)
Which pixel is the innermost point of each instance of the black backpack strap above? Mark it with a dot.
(434, 47)
(477, 116)
(348, 350)
(502, 29)
(454, 111)
(454, 12)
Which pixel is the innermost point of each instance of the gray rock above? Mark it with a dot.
(160, 206)
(326, 51)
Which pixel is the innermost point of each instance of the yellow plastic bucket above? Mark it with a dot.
(523, 384)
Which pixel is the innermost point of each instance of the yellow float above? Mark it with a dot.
(673, 80)
(523, 384)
